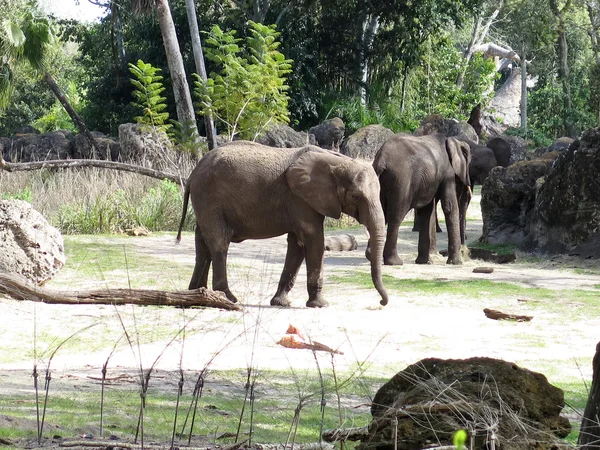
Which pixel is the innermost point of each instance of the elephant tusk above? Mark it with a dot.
(469, 190)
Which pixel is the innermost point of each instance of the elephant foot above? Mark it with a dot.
(457, 261)
(317, 302)
(232, 298)
(393, 260)
(280, 300)
(423, 260)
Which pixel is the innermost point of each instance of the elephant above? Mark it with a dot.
(415, 172)
(496, 152)
(245, 190)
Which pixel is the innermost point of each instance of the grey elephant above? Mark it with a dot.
(244, 190)
(415, 172)
(484, 158)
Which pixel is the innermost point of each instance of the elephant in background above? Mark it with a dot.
(244, 190)
(496, 152)
(415, 172)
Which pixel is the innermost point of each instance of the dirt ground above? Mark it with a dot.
(409, 328)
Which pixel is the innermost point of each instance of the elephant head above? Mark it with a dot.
(332, 184)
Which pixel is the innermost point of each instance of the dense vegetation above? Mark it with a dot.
(385, 62)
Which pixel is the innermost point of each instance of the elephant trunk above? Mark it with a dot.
(375, 224)
(463, 205)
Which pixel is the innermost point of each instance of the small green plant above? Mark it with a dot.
(24, 194)
(248, 91)
(148, 89)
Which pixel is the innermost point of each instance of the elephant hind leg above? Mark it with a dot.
(427, 237)
(293, 261)
(203, 260)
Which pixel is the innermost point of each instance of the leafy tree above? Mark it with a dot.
(28, 36)
(245, 94)
(148, 89)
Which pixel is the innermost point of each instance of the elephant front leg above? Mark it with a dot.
(450, 208)
(293, 260)
(390, 249)
(314, 249)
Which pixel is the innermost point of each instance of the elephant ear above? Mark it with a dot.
(311, 178)
(459, 154)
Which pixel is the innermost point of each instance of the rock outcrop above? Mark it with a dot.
(567, 204)
(508, 200)
(329, 134)
(366, 142)
(340, 243)
(29, 246)
(110, 149)
(490, 398)
(36, 147)
(284, 136)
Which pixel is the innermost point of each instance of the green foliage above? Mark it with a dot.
(247, 91)
(147, 93)
(158, 209)
(534, 138)
(435, 81)
(24, 194)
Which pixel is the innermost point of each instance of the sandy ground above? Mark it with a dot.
(388, 338)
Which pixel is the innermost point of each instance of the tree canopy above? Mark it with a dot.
(367, 61)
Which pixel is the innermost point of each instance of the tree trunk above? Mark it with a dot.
(523, 90)
(181, 90)
(477, 37)
(70, 111)
(211, 135)
(19, 288)
(370, 27)
(563, 63)
(593, 33)
(589, 432)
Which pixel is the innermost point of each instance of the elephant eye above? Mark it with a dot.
(356, 196)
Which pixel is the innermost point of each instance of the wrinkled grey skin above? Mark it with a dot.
(485, 158)
(414, 172)
(244, 190)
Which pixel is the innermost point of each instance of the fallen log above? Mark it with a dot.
(499, 315)
(75, 163)
(19, 288)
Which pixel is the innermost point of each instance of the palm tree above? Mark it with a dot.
(27, 37)
(181, 90)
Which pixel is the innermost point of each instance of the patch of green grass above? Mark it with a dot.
(277, 397)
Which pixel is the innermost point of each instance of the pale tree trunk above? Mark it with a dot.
(83, 129)
(594, 34)
(211, 134)
(117, 41)
(370, 27)
(478, 35)
(523, 90)
(563, 62)
(257, 10)
(181, 90)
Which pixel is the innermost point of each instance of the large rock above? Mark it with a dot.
(81, 148)
(37, 147)
(506, 102)
(508, 200)
(142, 146)
(329, 134)
(567, 205)
(435, 123)
(284, 136)
(28, 245)
(434, 398)
(366, 141)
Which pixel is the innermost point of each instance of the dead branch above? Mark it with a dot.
(108, 444)
(75, 163)
(19, 288)
(499, 315)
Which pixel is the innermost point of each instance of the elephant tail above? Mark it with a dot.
(186, 199)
